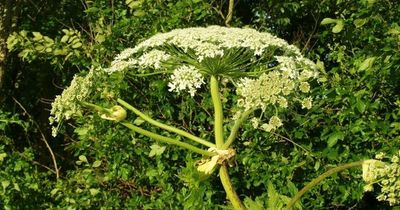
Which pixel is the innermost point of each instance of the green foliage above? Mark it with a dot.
(355, 117)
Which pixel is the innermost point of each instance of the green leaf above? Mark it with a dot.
(334, 137)
(83, 158)
(2, 156)
(338, 27)
(37, 36)
(252, 205)
(64, 38)
(138, 121)
(367, 63)
(139, 13)
(5, 184)
(77, 45)
(156, 150)
(326, 21)
(100, 38)
(54, 191)
(96, 163)
(93, 191)
(361, 106)
(360, 22)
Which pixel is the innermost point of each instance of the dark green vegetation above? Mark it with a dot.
(355, 116)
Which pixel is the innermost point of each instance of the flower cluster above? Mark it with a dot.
(203, 44)
(386, 175)
(186, 78)
(67, 105)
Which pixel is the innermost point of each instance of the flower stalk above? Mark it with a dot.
(164, 126)
(167, 140)
(230, 191)
(218, 113)
(320, 178)
(235, 128)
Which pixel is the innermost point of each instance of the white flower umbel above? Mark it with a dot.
(67, 105)
(202, 42)
(385, 175)
(185, 78)
(153, 59)
(268, 89)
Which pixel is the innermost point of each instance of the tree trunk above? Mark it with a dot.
(5, 26)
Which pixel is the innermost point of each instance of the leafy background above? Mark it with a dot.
(102, 166)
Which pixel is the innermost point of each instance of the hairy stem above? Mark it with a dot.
(317, 180)
(166, 139)
(164, 126)
(235, 128)
(230, 191)
(218, 113)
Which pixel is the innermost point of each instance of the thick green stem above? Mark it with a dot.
(166, 139)
(164, 126)
(317, 180)
(95, 107)
(218, 113)
(235, 128)
(230, 191)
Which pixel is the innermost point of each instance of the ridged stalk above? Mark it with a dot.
(218, 113)
(319, 179)
(164, 126)
(166, 139)
(230, 191)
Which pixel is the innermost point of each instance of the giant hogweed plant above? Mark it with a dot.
(267, 74)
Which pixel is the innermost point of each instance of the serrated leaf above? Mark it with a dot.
(156, 150)
(338, 27)
(83, 158)
(252, 205)
(326, 21)
(96, 163)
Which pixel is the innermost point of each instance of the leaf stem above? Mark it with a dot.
(230, 191)
(218, 113)
(166, 139)
(317, 180)
(235, 128)
(164, 126)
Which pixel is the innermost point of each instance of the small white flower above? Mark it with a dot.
(186, 78)
(153, 59)
(306, 103)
